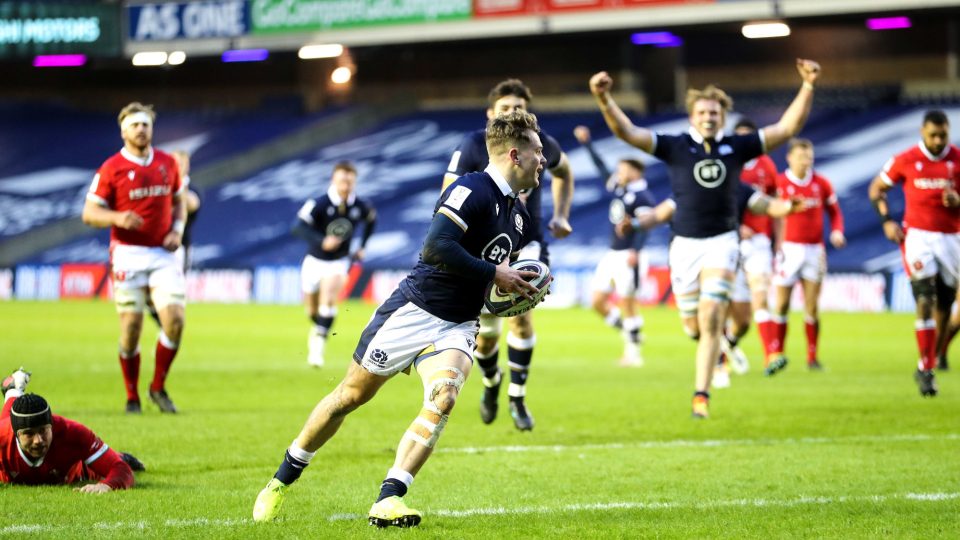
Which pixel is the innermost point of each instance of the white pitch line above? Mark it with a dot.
(706, 443)
(639, 505)
(208, 523)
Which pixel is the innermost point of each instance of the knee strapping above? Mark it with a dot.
(924, 289)
(716, 289)
(428, 426)
(945, 295)
(687, 304)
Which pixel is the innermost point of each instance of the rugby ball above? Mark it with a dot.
(505, 304)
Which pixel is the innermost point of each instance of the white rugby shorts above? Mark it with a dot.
(797, 261)
(756, 255)
(689, 256)
(134, 269)
(928, 253)
(400, 332)
(614, 274)
(313, 270)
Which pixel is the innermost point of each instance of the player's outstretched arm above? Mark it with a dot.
(796, 114)
(562, 189)
(878, 197)
(617, 120)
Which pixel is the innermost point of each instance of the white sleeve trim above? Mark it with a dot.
(653, 142)
(453, 217)
(305, 212)
(763, 141)
(96, 455)
(886, 179)
(92, 197)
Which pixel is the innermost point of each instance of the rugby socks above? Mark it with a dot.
(764, 329)
(323, 320)
(779, 342)
(519, 354)
(130, 367)
(488, 364)
(631, 329)
(813, 334)
(396, 483)
(613, 318)
(295, 459)
(166, 352)
(926, 330)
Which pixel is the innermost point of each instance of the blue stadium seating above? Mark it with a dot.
(245, 223)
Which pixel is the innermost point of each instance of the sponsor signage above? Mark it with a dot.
(33, 28)
(84, 281)
(278, 16)
(170, 21)
(501, 8)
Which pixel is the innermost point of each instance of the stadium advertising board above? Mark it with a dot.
(188, 20)
(32, 28)
(506, 8)
(279, 16)
(84, 281)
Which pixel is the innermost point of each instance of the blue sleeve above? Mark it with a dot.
(597, 161)
(664, 146)
(551, 150)
(645, 198)
(370, 222)
(470, 156)
(305, 232)
(443, 250)
(749, 146)
(534, 206)
(744, 192)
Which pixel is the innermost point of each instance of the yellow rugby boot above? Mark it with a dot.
(269, 501)
(392, 511)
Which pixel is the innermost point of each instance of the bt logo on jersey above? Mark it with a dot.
(709, 173)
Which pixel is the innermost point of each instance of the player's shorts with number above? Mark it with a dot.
(135, 269)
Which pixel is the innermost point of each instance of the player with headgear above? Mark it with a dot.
(429, 323)
(38, 447)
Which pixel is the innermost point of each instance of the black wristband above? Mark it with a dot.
(886, 218)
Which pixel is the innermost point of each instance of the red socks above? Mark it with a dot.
(166, 351)
(130, 366)
(813, 333)
(927, 343)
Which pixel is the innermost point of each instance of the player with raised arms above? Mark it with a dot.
(471, 156)
(429, 323)
(705, 169)
(327, 224)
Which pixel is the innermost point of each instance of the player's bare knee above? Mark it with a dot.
(522, 326)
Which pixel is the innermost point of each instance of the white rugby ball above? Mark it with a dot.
(504, 304)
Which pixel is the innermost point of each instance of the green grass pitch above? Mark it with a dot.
(852, 452)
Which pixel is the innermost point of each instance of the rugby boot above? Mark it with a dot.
(393, 512)
(269, 501)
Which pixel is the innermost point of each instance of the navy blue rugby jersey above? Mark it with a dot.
(471, 156)
(627, 199)
(495, 227)
(704, 176)
(329, 215)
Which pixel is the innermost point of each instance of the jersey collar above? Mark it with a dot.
(799, 181)
(337, 200)
(143, 162)
(931, 157)
(499, 180)
(637, 185)
(31, 463)
(698, 138)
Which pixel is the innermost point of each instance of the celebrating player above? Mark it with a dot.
(471, 156)
(704, 174)
(430, 321)
(38, 447)
(327, 224)
(930, 237)
(138, 192)
(623, 266)
(802, 256)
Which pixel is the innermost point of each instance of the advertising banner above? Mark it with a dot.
(32, 28)
(188, 20)
(84, 281)
(506, 8)
(288, 16)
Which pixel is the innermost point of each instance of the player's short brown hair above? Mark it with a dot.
(710, 93)
(136, 107)
(799, 143)
(345, 166)
(510, 130)
(509, 87)
(635, 163)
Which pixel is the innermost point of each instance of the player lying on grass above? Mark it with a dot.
(429, 324)
(41, 448)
